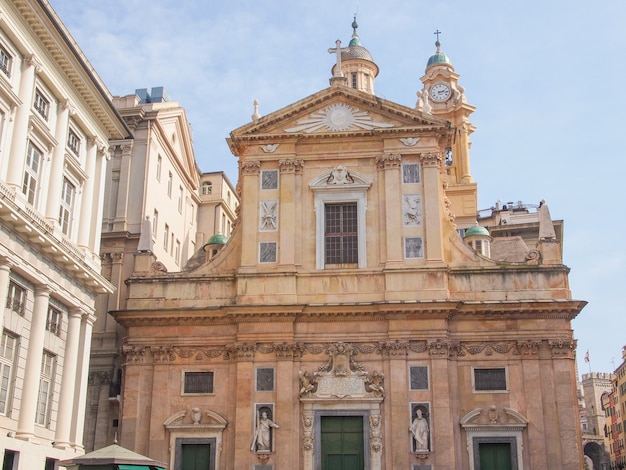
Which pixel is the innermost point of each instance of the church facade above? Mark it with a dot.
(347, 323)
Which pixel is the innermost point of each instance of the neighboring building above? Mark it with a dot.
(56, 119)
(346, 323)
(217, 211)
(595, 444)
(614, 405)
(152, 190)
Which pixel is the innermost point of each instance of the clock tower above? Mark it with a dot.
(442, 96)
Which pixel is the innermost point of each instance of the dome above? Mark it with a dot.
(217, 239)
(438, 58)
(355, 49)
(476, 230)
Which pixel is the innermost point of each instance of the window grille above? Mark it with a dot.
(341, 233)
(198, 382)
(490, 379)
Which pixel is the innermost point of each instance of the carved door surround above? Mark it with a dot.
(341, 387)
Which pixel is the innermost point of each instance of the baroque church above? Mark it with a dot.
(358, 317)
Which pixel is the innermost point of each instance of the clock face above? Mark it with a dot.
(440, 92)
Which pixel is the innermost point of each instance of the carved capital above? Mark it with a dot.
(161, 354)
(33, 61)
(250, 167)
(526, 348)
(288, 351)
(291, 165)
(562, 347)
(133, 354)
(439, 347)
(431, 159)
(393, 349)
(389, 161)
(241, 351)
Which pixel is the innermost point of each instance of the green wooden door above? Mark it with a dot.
(196, 456)
(495, 456)
(342, 442)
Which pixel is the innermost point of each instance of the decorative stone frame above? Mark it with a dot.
(181, 429)
(493, 426)
(328, 191)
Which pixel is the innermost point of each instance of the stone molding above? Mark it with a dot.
(402, 350)
(389, 161)
(250, 167)
(291, 165)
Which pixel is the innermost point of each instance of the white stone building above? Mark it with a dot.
(56, 119)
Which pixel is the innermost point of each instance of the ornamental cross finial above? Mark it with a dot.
(437, 33)
(337, 50)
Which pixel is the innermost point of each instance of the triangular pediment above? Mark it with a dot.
(338, 110)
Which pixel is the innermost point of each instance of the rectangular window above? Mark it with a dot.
(155, 222)
(489, 380)
(158, 168)
(166, 236)
(341, 233)
(269, 180)
(6, 60)
(419, 377)
(207, 188)
(180, 199)
(11, 460)
(198, 382)
(177, 252)
(31, 173)
(51, 464)
(54, 320)
(410, 173)
(268, 252)
(66, 210)
(354, 82)
(73, 142)
(265, 379)
(16, 300)
(46, 384)
(41, 104)
(169, 185)
(8, 350)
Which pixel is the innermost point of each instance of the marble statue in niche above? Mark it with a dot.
(263, 433)
(420, 429)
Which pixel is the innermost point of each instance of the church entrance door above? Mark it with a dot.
(495, 456)
(196, 457)
(342, 443)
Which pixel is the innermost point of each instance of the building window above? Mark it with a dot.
(155, 222)
(41, 104)
(8, 350)
(268, 252)
(73, 142)
(166, 236)
(354, 82)
(51, 464)
(198, 382)
(169, 185)
(16, 300)
(413, 247)
(265, 379)
(490, 379)
(269, 179)
(53, 323)
(207, 188)
(177, 252)
(46, 384)
(31, 173)
(158, 168)
(341, 233)
(6, 60)
(410, 173)
(11, 460)
(418, 377)
(66, 209)
(180, 199)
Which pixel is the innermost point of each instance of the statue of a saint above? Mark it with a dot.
(420, 431)
(262, 441)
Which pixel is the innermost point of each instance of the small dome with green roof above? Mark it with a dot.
(217, 239)
(439, 58)
(355, 49)
(476, 230)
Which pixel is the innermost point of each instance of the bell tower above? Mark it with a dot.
(442, 96)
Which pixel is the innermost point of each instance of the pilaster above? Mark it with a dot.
(55, 181)
(249, 173)
(391, 219)
(431, 163)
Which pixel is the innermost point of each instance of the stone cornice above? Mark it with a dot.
(436, 347)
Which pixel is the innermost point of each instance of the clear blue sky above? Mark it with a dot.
(545, 76)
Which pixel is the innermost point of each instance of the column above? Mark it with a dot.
(32, 370)
(68, 381)
(86, 204)
(249, 173)
(5, 270)
(389, 196)
(20, 128)
(463, 147)
(121, 215)
(55, 180)
(82, 373)
(432, 207)
(103, 155)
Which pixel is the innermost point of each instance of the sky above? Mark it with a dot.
(544, 76)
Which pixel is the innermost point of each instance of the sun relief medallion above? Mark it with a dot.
(337, 117)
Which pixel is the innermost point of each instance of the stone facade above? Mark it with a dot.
(347, 304)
